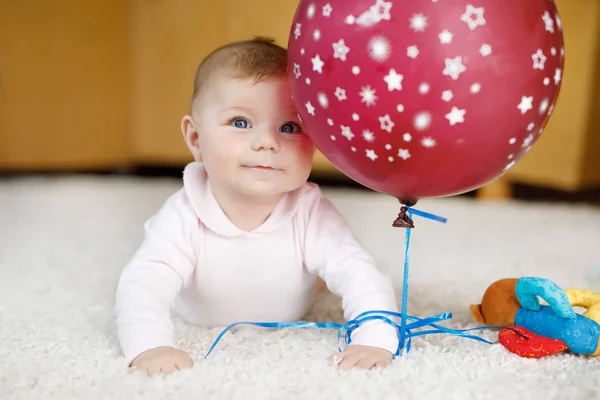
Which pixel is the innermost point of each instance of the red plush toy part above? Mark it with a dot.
(527, 344)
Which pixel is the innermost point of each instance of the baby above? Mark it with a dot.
(246, 238)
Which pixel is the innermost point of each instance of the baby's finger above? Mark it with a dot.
(189, 362)
(349, 361)
(184, 364)
(335, 359)
(366, 363)
(153, 370)
(382, 364)
(167, 369)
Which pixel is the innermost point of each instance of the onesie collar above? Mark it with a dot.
(198, 190)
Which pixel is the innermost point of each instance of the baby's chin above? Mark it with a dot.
(268, 188)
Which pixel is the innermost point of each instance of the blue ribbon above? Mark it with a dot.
(405, 330)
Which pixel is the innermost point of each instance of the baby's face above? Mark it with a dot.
(250, 138)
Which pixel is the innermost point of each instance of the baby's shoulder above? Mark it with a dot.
(176, 208)
(313, 202)
(310, 194)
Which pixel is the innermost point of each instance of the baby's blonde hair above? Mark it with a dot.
(258, 59)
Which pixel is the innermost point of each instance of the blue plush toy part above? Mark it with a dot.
(528, 289)
(581, 334)
(558, 320)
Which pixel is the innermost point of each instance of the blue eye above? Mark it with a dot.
(241, 123)
(290, 128)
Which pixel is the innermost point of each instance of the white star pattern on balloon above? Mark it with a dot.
(386, 123)
(526, 104)
(447, 95)
(548, 21)
(368, 95)
(509, 166)
(422, 121)
(340, 50)
(456, 116)
(347, 132)
(340, 94)
(527, 141)
(473, 16)
(310, 108)
(371, 154)
(454, 67)
(544, 105)
(404, 154)
(382, 10)
(317, 64)
(412, 51)
(557, 76)
(323, 100)
(380, 48)
(558, 22)
(418, 22)
(375, 14)
(428, 142)
(298, 31)
(311, 11)
(393, 80)
(368, 18)
(359, 72)
(485, 50)
(445, 37)
(539, 59)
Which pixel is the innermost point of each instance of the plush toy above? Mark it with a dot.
(535, 330)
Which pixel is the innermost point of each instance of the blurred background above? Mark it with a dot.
(100, 86)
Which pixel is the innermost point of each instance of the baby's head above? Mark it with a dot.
(243, 124)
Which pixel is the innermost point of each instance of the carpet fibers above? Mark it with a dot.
(64, 241)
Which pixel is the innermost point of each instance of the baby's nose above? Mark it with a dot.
(266, 139)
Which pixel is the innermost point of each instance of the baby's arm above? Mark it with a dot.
(332, 252)
(152, 279)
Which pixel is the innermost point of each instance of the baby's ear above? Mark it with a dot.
(477, 314)
(190, 135)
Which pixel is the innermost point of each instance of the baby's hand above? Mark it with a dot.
(162, 360)
(365, 357)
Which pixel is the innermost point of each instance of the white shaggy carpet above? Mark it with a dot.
(63, 243)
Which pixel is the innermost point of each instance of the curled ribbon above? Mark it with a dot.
(405, 330)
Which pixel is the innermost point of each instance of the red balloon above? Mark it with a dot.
(425, 98)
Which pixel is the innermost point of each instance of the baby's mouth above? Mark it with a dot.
(262, 167)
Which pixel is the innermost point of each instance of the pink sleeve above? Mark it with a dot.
(155, 275)
(332, 252)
